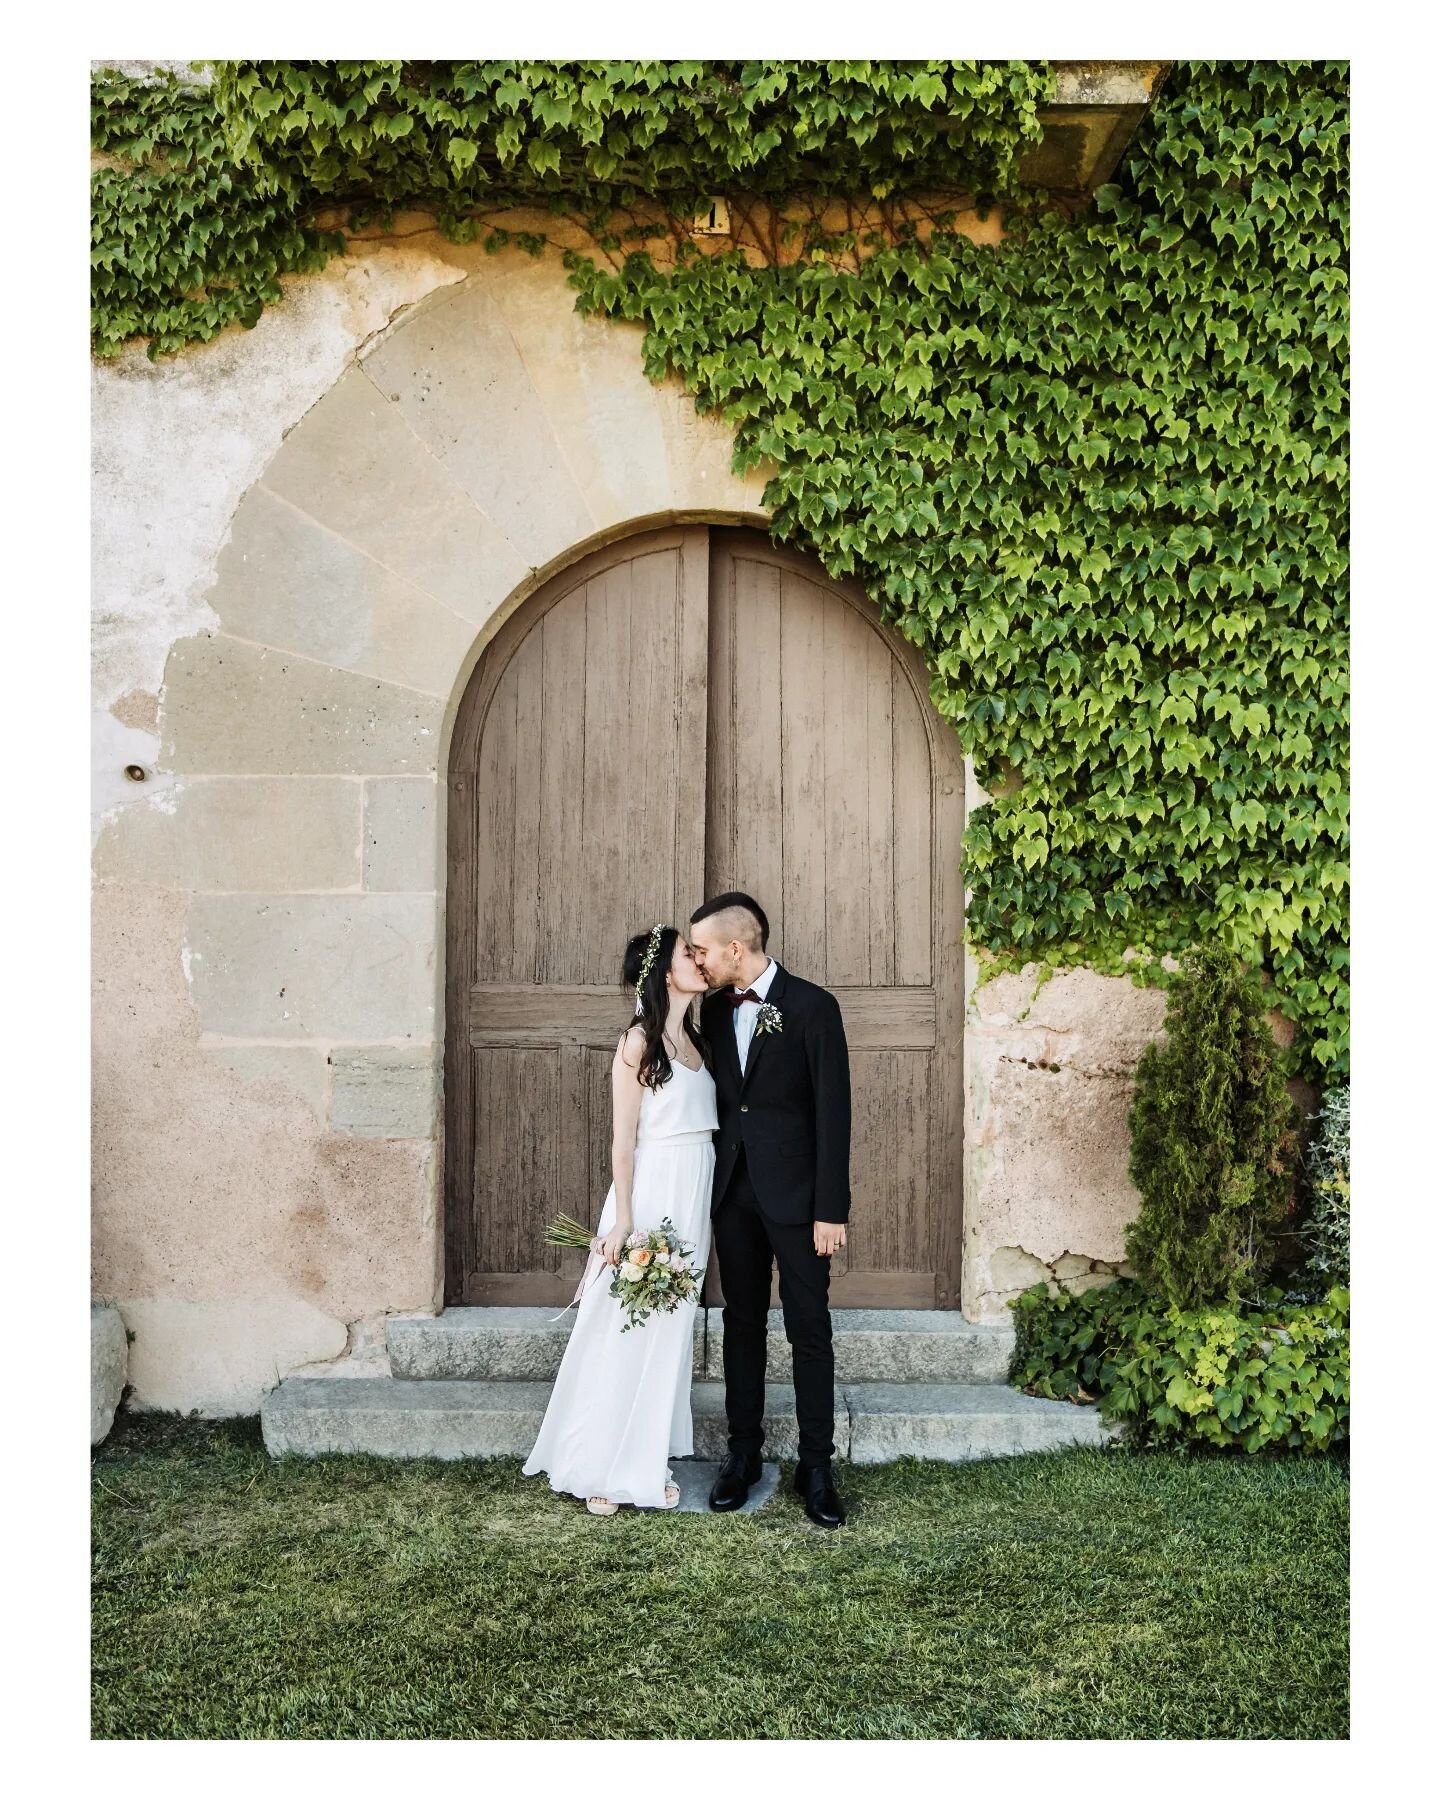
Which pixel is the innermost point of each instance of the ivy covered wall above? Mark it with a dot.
(1095, 472)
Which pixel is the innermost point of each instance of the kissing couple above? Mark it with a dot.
(736, 1131)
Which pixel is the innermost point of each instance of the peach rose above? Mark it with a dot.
(640, 1258)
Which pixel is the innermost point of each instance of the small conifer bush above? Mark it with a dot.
(1214, 1139)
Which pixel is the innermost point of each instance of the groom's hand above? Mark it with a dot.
(828, 1238)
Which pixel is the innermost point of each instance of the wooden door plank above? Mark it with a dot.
(646, 729)
(880, 807)
(758, 826)
(802, 778)
(494, 847)
(601, 776)
(847, 947)
(914, 899)
(692, 647)
(720, 729)
(564, 860)
(527, 671)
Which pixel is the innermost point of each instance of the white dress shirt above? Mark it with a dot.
(746, 1015)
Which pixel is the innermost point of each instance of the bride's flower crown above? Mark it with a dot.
(649, 958)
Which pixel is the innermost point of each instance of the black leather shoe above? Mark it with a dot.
(738, 1474)
(816, 1487)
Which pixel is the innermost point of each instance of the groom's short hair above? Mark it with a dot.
(741, 927)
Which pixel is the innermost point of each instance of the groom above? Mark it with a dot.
(782, 1186)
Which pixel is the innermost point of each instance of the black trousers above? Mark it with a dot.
(747, 1244)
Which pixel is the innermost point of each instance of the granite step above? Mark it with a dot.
(525, 1343)
(875, 1422)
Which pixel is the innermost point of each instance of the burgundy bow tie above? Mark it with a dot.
(740, 999)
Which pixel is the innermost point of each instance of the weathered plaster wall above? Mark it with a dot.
(304, 537)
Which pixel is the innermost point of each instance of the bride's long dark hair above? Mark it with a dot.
(654, 997)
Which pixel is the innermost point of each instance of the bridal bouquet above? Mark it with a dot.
(656, 1272)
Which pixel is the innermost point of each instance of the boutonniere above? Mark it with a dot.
(768, 1018)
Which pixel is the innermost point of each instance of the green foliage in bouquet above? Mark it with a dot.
(1214, 1138)
(657, 1273)
(1265, 1376)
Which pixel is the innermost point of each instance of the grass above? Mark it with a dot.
(1081, 1593)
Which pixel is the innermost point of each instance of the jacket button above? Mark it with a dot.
(744, 1109)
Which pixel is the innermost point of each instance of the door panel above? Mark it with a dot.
(577, 805)
(827, 790)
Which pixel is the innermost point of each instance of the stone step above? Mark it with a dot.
(525, 1343)
(875, 1422)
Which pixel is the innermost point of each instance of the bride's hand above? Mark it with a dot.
(610, 1246)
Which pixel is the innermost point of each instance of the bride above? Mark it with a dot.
(620, 1406)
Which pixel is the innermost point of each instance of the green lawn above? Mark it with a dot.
(1082, 1593)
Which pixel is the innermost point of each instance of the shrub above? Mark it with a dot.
(1262, 1377)
(1062, 1341)
(1213, 1138)
(1327, 1182)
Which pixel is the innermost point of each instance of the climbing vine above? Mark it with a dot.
(1096, 473)
(183, 242)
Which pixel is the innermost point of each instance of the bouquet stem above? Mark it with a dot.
(569, 1233)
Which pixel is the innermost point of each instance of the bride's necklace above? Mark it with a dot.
(675, 1056)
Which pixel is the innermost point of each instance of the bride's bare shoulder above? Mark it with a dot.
(631, 1045)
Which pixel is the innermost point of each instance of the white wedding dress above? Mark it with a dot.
(620, 1406)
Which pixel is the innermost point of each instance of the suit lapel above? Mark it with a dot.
(759, 1038)
(724, 1014)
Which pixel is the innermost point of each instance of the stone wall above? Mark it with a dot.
(304, 537)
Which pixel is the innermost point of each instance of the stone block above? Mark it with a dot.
(401, 835)
(219, 1357)
(458, 378)
(298, 1068)
(377, 1090)
(885, 1344)
(109, 1356)
(588, 376)
(259, 835)
(357, 967)
(240, 709)
(490, 1343)
(357, 465)
(957, 1423)
(284, 580)
(1012, 1270)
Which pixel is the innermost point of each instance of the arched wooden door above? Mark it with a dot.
(688, 711)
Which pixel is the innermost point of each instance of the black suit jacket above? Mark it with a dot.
(791, 1108)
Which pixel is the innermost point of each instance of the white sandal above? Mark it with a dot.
(600, 1506)
(669, 1504)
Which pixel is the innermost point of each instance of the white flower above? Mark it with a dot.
(662, 1256)
(631, 1272)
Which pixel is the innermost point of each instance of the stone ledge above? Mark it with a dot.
(875, 1422)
